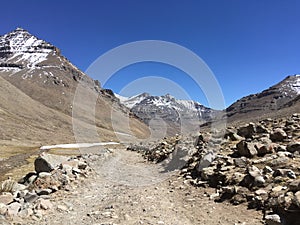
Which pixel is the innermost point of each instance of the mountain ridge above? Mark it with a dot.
(38, 69)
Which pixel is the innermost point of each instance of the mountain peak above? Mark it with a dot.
(22, 48)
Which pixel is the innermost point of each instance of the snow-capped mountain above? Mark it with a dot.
(279, 96)
(38, 70)
(178, 114)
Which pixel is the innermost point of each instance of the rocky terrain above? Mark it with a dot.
(111, 187)
(179, 116)
(256, 164)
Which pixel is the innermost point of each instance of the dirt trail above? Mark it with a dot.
(127, 190)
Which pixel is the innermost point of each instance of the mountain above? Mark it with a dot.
(35, 71)
(178, 115)
(281, 97)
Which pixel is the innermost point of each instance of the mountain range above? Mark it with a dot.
(179, 115)
(38, 86)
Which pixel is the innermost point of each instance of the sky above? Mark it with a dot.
(247, 45)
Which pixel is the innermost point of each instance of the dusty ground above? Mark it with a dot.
(124, 189)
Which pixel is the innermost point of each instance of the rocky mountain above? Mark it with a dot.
(271, 101)
(47, 82)
(178, 115)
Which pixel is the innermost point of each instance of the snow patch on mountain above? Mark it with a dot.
(20, 47)
(132, 101)
(291, 85)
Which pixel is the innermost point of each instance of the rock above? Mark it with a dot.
(268, 169)
(265, 149)
(296, 199)
(278, 135)
(247, 131)
(31, 197)
(285, 173)
(260, 129)
(25, 213)
(232, 136)
(47, 162)
(43, 204)
(257, 175)
(3, 209)
(46, 191)
(241, 162)
(44, 175)
(6, 198)
(260, 192)
(246, 149)
(13, 209)
(62, 208)
(294, 185)
(293, 147)
(205, 161)
(28, 178)
(273, 219)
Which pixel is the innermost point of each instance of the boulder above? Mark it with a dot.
(206, 160)
(246, 149)
(48, 162)
(293, 147)
(294, 185)
(296, 199)
(247, 131)
(278, 135)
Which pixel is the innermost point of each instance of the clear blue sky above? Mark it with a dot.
(249, 45)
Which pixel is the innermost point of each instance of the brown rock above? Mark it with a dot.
(278, 135)
(294, 147)
(246, 149)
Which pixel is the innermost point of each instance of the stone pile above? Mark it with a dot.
(257, 164)
(30, 196)
(159, 151)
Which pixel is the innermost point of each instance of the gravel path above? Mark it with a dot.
(124, 189)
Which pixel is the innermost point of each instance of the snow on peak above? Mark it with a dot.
(160, 101)
(291, 85)
(20, 47)
(132, 101)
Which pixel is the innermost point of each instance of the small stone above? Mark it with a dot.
(260, 192)
(13, 209)
(3, 209)
(31, 197)
(273, 219)
(268, 169)
(6, 198)
(25, 213)
(44, 204)
(277, 189)
(46, 191)
(296, 199)
(62, 208)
